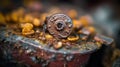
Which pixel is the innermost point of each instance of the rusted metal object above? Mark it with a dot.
(32, 53)
(59, 25)
(65, 50)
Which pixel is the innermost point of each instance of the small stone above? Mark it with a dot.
(47, 36)
(73, 38)
(26, 31)
(72, 13)
(58, 45)
(27, 25)
(28, 18)
(36, 22)
(2, 19)
(77, 24)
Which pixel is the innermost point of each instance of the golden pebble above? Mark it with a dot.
(28, 18)
(47, 36)
(58, 45)
(36, 22)
(27, 31)
(77, 24)
(14, 16)
(28, 26)
(21, 20)
(84, 21)
(2, 19)
(91, 29)
(73, 38)
(7, 17)
(72, 13)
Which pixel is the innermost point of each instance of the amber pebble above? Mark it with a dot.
(27, 25)
(2, 19)
(7, 17)
(47, 36)
(77, 24)
(28, 18)
(26, 31)
(21, 20)
(84, 21)
(14, 16)
(36, 22)
(58, 45)
(73, 38)
(91, 29)
(72, 13)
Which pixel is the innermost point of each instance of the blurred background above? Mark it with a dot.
(105, 16)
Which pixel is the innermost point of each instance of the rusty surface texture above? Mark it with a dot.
(59, 25)
(54, 44)
(32, 53)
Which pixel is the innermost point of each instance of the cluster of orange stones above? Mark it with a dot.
(28, 20)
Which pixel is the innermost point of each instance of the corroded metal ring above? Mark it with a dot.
(59, 25)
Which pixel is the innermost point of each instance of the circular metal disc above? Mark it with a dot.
(59, 25)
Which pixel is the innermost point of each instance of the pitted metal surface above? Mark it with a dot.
(59, 25)
(13, 38)
(33, 51)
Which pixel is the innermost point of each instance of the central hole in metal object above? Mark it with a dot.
(60, 25)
